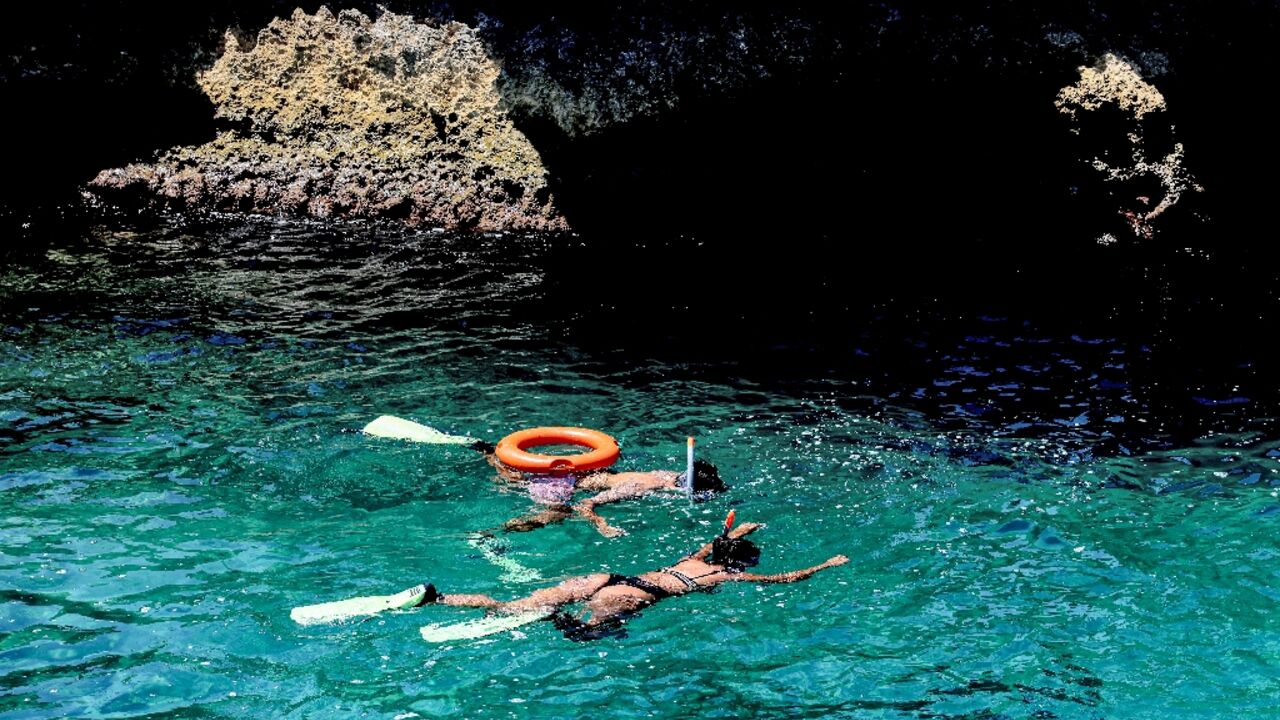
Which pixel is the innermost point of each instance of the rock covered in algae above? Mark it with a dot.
(343, 116)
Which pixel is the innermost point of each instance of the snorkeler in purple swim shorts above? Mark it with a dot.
(555, 492)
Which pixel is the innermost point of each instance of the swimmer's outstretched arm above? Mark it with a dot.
(792, 576)
(743, 529)
(587, 508)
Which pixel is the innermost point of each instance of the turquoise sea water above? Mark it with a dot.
(180, 465)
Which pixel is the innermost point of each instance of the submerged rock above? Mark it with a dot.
(343, 116)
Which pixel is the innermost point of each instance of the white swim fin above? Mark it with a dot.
(340, 610)
(389, 426)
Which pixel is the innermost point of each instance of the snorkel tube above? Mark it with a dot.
(728, 522)
(688, 473)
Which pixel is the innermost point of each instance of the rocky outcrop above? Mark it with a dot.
(1114, 82)
(342, 116)
(705, 117)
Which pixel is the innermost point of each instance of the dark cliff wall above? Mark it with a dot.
(882, 122)
(749, 166)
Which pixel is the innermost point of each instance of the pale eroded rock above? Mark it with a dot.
(1114, 81)
(343, 116)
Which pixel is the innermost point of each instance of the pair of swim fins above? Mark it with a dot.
(338, 611)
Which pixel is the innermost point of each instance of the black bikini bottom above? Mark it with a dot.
(639, 584)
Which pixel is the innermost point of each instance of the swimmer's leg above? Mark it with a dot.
(535, 520)
(480, 601)
(605, 619)
(572, 590)
(612, 610)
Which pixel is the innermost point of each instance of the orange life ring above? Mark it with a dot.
(513, 451)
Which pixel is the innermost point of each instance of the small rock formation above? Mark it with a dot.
(1112, 80)
(1115, 82)
(342, 116)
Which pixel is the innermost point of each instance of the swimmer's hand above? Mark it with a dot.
(586, 509)
(837, 560)
(610, 531)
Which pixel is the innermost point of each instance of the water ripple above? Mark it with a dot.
(180, 465)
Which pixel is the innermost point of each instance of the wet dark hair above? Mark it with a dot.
(484, 447)
(734, 553)
(706, 479)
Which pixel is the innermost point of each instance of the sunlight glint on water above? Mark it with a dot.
(180, 465)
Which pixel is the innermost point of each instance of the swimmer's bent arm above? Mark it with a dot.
(506, 473)
(792, 576)
(740, 531)
(587, 508)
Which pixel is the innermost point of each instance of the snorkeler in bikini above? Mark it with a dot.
(609, 600)
(556, 491)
